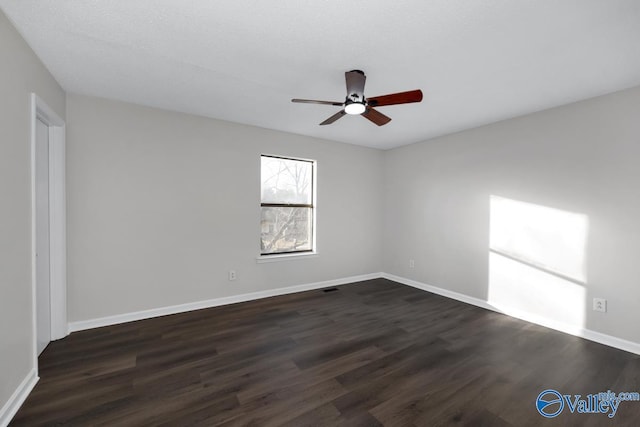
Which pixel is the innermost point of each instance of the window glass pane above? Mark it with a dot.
(286, 181)
(286, 229)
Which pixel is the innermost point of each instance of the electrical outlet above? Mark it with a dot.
(412, 263)
(232, 275)
(600, 304)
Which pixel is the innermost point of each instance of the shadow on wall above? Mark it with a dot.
(537, 262)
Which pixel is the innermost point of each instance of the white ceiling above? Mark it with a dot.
(477, 62)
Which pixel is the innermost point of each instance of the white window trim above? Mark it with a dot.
(260, 259)
(265, 258)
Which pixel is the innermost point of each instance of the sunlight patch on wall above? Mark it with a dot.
(552, 239)
(537, 261)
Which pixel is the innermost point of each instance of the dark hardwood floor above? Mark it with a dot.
(372, 353)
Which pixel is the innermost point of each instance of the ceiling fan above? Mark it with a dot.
(355, 102)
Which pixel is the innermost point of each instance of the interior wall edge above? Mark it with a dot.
(18, 397)
(605, 339)
(215, 302)
(598, 337)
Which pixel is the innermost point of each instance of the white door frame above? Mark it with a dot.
(57, 219)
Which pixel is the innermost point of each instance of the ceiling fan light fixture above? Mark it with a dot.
(354, 108)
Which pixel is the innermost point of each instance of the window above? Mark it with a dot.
(287, 205)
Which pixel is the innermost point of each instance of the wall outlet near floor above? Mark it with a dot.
(600, 304)
(232, 275)
(412, 263)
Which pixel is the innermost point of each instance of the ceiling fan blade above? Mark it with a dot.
(313, 101)
(396, 98)
(333, 118)
(355, 83)
(376, 116)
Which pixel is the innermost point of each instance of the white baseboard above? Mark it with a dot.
(598, 337)
(440, 291)
(198, 305)
(608, 340)
(18, 397)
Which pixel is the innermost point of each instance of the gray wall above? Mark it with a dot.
(580, 158)
(160, 205)
(21, 73)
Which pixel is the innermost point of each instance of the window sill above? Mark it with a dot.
(285, 257)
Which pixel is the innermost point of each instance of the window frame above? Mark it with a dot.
(273, 256)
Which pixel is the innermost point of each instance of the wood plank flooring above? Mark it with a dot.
(372, 353)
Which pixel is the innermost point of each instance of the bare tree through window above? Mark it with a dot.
(287, 205)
